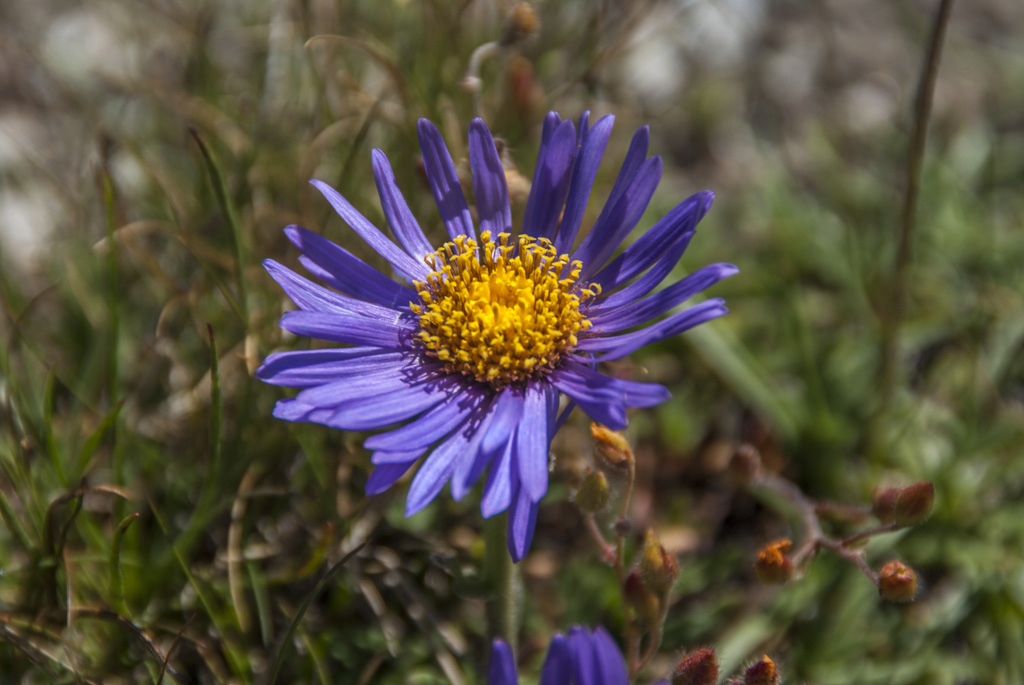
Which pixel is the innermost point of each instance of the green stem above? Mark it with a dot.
(502, 577)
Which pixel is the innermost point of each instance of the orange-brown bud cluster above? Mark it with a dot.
(520, 23)
(897, 582)
(658, 569)
(697, 668)
(762, 672)
(773, 567)
(904, 506)
(611, 447)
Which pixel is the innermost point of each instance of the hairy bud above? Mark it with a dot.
(883, 505)
(593, 493)
(773, 567)
(520, 23)
(763, 672)
(611, 447)
(639, 597)
(897, 582)
(914, 504)
(658, 569)
(697, 668)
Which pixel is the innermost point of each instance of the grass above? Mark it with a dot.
(159, 525)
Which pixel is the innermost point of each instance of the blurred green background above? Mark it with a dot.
(159, 524)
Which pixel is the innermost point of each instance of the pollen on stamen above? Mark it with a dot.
(500, 313)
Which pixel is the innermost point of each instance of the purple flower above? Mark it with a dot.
(464, 356)
(582, 658)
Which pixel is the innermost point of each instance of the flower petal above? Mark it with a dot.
(592, 143)
(342, 270)
(618, 218)
(372, 235)
(444, 181)
(385, 409)
(557, 668)
(312, 297)
(584, 664)
(533, 441)
(302, 369)
(641, 312)
(593, 392)
(502, 670)
(435, 471)
(618, 346)
(490, 188)
(663, 238)
(386, 475)
(427, 429)
(498, 490)
(608, 658)
(386, 377)
(347, 328)
(550, 183)
(400, 218)
(522, 521)
(381, 457)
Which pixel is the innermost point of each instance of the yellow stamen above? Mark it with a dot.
(500, 313)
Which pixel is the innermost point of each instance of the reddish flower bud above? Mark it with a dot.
(897, 582)
(763, 672)
(639, 597)
(773, 567)
(745, 465)
(593, 493)
(520, 24)
(914, 504)
(883, 506)
(658, 569)
(611, 447)
(697, 668)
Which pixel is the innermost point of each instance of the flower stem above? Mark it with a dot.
(502, 577)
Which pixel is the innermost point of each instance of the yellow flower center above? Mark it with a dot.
(497, 312)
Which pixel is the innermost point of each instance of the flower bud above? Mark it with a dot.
(593, 493)
(763, 672)
(658, 569)
(773, 567)
(914, 504)
(897, 582)
(611, 447)
(697, 668)
(745, 465)
(639, 597)
(883, 506)
(520, 23)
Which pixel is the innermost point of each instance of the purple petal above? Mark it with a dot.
(312, 297)
(502, 670)
(427, 429)
(643, 311)
(618, 346)
(400, 218)
(386, 475)
(348, 328)
(489, 185)
(650, 280)
(550, 183)
(663, 238)
(315, 367)
(557, 668)
(533, 441)
(444, 181)
(498, 490)
(381, 457)
(385, 377)
(474, 460)
(594, 392)
(371, 235)
(342, 270)
(618, 218)
(629, 393)
(435, 472)
(592, 145)
(584, 664)
(608, 658)
(507, 412)
(386, 408)
(522, 521)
